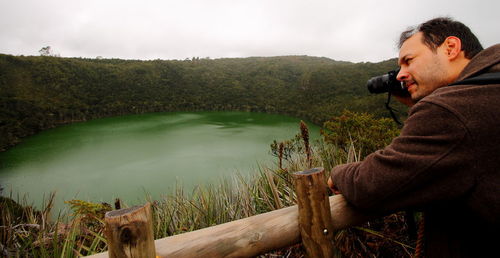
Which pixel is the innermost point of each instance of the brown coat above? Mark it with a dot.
(446, 162)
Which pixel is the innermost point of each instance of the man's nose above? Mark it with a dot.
(402, 75)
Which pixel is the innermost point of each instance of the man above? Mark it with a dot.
(446, 161)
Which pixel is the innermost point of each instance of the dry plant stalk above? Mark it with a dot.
(281, 147)
(305, 136)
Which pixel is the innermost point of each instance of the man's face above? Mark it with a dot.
(422, 70)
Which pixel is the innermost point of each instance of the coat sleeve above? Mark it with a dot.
(418, 167)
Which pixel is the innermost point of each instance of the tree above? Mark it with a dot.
(45, 51)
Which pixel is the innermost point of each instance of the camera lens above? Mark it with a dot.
(385, 83)
(378, 84)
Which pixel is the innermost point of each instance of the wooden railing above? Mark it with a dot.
(129, 231)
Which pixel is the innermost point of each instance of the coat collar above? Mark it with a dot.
(487, 60)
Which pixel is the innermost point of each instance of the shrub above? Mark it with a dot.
(362, 130)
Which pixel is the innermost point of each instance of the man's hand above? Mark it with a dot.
(332, 186)
(404, 98)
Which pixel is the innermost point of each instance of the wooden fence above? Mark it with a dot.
(313, 221)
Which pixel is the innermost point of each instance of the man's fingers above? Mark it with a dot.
(332, 186)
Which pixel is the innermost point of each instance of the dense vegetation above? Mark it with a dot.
(37, 93)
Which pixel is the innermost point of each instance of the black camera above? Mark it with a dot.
(386, 83)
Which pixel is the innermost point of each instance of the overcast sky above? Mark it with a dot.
(349, 30)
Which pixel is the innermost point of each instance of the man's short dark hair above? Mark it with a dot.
(435, 32)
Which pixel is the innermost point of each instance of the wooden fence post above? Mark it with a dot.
(130, 232)
(315, 220)
(251, 236)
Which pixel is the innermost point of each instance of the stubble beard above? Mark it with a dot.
(432, 77)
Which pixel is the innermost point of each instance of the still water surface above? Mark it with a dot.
(132, 156)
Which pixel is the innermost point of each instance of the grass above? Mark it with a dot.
(25, 232)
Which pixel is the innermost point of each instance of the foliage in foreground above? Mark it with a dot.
(26, 232)
(364, 131)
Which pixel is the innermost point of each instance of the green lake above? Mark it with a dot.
(130, 157)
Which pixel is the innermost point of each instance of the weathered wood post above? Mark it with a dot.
(315, 220)
(251, 236)
(130, 232)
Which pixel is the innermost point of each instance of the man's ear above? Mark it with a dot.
(453, 47)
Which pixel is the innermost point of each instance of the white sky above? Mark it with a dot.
(349, 30)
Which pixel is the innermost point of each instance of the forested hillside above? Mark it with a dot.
(37, 93)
